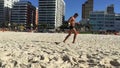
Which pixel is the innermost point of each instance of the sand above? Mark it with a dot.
(46, 50)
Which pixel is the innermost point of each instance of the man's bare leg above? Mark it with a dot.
(75, 34)
(67, 36)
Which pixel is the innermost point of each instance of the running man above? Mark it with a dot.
(71, 22)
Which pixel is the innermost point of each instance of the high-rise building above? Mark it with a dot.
(1, 11)
(9, 3)
(36, 16)
(24, 13)
(51, 13)
(110, 9)
(60, 11)
(87, 7)
(5, 10)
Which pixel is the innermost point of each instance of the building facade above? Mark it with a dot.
(100, 20)
(10, 3)
(23, 13)
(60, 11)
(105, 20)
(1, 11)
(51, 13)
(5, 10)
(110, 9)
(87, 7)
(36, 16)
(117, 22)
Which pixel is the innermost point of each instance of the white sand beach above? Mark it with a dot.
(46, 50)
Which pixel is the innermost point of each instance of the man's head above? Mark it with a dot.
(76, 15)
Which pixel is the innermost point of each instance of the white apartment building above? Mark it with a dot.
(51, 13)
(9, 3)
(60, 11)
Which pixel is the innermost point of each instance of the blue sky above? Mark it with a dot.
(73, 6)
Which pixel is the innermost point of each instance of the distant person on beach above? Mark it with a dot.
(71, 22)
